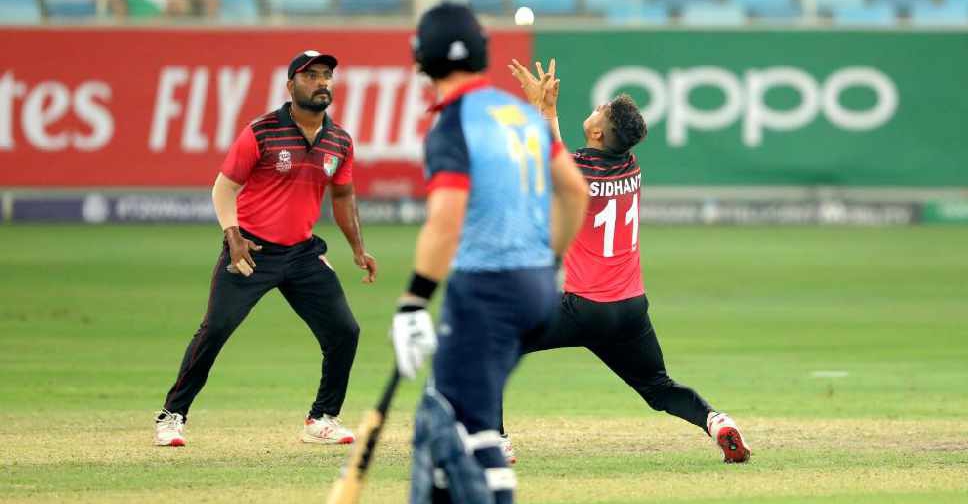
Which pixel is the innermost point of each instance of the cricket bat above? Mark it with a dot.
(347, 488)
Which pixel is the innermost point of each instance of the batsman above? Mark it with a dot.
(494, 173)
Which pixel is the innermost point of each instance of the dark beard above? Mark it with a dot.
(309, 104)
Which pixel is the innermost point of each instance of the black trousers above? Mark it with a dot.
(620, 333)
(310, 287)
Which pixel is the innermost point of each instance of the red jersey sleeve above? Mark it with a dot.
(243, 156)
(344, 174)
(557, 147)
(450, 180)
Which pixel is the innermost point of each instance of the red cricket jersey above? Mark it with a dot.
(602, 263)
(284, 176)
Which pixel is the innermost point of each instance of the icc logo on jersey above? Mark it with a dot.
(284, 161)
(330, 164)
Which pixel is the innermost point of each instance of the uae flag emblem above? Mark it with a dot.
(330, 164)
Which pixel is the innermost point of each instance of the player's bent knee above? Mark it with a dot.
(351, 331)
(347, 332)
(216, 328)
(655, 392)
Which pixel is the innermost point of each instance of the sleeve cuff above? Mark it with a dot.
(449, 180)
(557, 148)
(232, 176)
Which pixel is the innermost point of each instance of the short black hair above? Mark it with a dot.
(626, 126)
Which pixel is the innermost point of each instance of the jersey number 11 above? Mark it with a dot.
(607, 218)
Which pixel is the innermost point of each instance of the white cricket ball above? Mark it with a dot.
(524, 16)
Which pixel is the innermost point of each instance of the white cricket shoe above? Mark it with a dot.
(326, 430)
(169, 429)
(726, 434)
(508, 450)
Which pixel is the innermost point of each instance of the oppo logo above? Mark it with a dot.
(745, 99)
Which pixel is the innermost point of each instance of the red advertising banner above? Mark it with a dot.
(159, 107)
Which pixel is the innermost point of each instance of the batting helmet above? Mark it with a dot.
(449, 38)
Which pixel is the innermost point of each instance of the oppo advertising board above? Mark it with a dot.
(754, 108)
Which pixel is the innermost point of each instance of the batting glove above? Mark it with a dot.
(413, 338)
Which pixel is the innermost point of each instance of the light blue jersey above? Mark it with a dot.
(502, 147)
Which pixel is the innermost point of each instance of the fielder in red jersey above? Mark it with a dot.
(267, 198)
(603, 306)
(603, 261)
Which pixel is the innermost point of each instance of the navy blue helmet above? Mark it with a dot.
(449, 38)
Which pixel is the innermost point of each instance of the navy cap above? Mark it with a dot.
(304, 59)
(449, 38)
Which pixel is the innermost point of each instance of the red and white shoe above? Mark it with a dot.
(726, 434)
(326, 430)
(508, 450)
(169, 429)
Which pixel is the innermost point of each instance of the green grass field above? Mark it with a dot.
(93, 322)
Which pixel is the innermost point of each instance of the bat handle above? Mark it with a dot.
(388, 392)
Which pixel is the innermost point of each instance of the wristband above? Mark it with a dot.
(422, 286)
(411, 305)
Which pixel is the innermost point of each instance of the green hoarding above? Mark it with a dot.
(730, 108)
(945, 212)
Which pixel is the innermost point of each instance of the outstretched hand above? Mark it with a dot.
(529, 83)
(549, 88)
(541, 90)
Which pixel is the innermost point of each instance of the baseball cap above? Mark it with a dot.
(306, 58)
(449, 38)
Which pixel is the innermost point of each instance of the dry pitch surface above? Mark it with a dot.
(103, 458)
